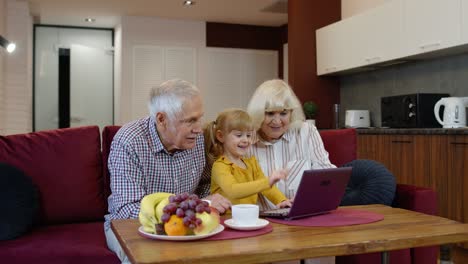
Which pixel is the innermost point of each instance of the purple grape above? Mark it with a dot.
(200, 208)
(186, 221)
(180, 212)
(184, 196)
(198, 221)
(193, 197)
(205, 203)
(172, 198)
(184, 205)
(191, 226)
(208, 210)
(192, 204)
(189, 213)
(165, 217)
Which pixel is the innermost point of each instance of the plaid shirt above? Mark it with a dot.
(139, 165)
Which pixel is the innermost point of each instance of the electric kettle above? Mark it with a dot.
(454, 111)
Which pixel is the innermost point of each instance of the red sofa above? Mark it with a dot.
(66, 166)
(70, 171)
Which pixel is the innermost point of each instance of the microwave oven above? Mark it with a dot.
(410, 110)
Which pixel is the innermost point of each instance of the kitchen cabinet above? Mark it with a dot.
(393, 32)
(360, 40)
(457, 177)
(431, 25)
(464, 19)
(439, 162)
(335, 46)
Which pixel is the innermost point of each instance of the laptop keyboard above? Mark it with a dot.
(276, 212)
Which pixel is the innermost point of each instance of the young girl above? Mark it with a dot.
(234, 176)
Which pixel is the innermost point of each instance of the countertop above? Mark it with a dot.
(413, 131)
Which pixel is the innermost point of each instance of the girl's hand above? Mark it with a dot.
(285, 203)
(278, 175)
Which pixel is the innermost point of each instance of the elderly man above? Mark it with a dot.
(163, 152)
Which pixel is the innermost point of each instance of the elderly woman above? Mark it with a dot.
(284, 140)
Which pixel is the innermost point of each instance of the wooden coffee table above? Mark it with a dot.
(400, 229)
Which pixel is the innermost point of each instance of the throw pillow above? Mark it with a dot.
(370, 183)
(19, 202)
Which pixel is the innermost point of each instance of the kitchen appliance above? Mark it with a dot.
(454, 111)
(410, 110)
(357, 118)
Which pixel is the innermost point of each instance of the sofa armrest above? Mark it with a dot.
(414, 198)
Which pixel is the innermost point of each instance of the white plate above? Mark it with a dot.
(261, 223)
(219, 229)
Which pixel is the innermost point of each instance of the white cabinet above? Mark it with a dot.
(464, 18)
(375, 33)
(360, 40)
(333, 48)
(431, 25)
(396, 29)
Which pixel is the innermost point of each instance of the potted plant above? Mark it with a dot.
(310, 110)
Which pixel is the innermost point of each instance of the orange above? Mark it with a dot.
(175, 226)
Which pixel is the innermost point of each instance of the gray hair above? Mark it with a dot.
(170, 96)
(275, 95)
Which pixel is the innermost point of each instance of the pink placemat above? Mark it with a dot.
(339, 217)
(229, 233)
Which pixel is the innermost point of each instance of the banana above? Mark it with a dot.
(159, 209)
(148, 206)
(146, 223)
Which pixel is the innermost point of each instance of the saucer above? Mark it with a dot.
(261, 223)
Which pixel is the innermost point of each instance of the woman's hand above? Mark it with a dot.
(278, 175)
(285, 203)
(219, 202)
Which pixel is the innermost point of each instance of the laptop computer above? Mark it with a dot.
(319, 192)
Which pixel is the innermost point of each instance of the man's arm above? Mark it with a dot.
(126, 182)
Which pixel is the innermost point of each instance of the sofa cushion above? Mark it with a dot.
(341, 144)
(71, 243)
(19, 202)
(370, 183)
(66, 166)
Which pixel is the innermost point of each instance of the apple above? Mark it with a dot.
(210, 221)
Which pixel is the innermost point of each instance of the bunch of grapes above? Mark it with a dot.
(185, 206)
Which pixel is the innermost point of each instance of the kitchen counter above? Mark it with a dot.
(413, 131)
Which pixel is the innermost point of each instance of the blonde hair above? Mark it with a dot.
(227, 121)
(275, 95)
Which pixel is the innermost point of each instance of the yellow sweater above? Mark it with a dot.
(241, 186)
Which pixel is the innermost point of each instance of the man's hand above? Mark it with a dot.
(219, 202)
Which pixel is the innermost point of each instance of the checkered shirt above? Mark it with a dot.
(139, 165)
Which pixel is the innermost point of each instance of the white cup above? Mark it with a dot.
(245, 214)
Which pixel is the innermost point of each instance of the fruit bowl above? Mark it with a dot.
(217, 230)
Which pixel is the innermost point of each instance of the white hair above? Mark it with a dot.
(170, 96)
(275, 95)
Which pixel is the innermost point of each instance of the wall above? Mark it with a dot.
(154, 49)
(304, 17)
(149, 31)
(17, 90)
(364, 90)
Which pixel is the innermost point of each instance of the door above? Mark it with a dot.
(90, 86)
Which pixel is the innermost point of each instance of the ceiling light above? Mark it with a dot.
(9, 46)
(188, 3)
(90, 20)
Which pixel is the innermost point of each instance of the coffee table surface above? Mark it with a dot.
(399, 229)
